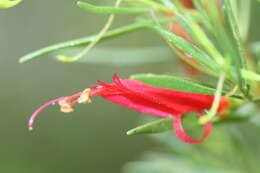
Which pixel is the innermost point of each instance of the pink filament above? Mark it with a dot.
(36, 113)
(40, 109)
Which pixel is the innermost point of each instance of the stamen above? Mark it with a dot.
(66, 105)
(36, 113)
(66, 109)
(84, 96)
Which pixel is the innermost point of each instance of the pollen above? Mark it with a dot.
(65, 106)
(66, 109)
(84, 96)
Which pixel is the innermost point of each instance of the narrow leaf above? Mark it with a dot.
(250, 75)
(151, 4)
(110, 10)
(203, 13)
(222, 41)
(231, 119)
(165, 124)
(157, 126)
(255, 47)
(82, 41)
(210, 29)
(240, 60)
(188, 48)
(174, 83)
(87, 40)
(196, 32)
(244, 18)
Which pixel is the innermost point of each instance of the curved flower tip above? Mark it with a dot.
(144, 98)
(34, 115)
(180, 132)
(65, 103)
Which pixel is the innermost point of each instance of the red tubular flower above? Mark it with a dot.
(146, 99)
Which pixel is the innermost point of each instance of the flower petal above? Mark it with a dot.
(153, 100)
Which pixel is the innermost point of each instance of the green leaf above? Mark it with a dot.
(203, 13)
(195, 31)
(188, 48)
(157, 126)
(151, 4)
(250, 75)
(240, 60)
(111, 10)
(82, 41)
(219, 32)
(255, 47)
(9, 3)
(174, 83)
(244, 18)
(231, 119)
(87, 40)
(210, 29)
(166, 124)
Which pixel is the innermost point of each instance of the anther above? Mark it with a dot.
(65, 106)
(84, 96)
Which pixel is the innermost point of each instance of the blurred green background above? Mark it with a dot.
(91, 139)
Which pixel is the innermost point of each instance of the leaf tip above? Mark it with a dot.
(23, 59)
(65, 59)
(79, 3)
(130, 132)
(8, 3)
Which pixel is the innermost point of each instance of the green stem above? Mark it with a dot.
(215, 105)
(245, 13)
